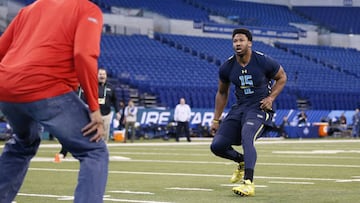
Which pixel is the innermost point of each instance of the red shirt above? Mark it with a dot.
(48, 49)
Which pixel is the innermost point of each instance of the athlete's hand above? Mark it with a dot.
(266, 103)
(96, 125)
(214, 127)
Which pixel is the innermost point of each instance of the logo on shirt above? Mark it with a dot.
(249, 123)
(92, 19)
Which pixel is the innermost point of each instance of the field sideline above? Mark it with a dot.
(157, 171)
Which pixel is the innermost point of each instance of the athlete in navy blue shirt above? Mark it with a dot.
(258, 80)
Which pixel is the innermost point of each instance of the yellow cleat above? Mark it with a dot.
(246, 188)
(238, 173)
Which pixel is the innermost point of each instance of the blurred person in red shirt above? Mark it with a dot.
(48, 50)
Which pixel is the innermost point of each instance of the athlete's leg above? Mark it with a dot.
(227, 135)
(253, 128)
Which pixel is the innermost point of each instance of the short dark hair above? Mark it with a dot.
(242, 31)
(102, 68)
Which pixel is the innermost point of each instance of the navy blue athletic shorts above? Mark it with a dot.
(256, 120)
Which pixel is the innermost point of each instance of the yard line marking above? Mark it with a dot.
(296, 183)
(230, 163)
(348, 180)
(67, 198)
(218, 176)
(54, 169)
(44, 195)
(310, 156)
(160, 153)
(190, 189)
(131, 192)
(180, 162)
(46, 159)
(129, 200)
(188, 174)
(208, 141)
(120, 158)
(296, 178)
(235, 185)
(311, 165)
(317, 152)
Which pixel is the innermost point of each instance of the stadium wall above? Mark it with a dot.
(204, 116)
(121, 24)
(340, 40)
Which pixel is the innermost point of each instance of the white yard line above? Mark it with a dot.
(131, 192)
(70, 198)
(235, 185)
(294, 183)
(192, 175)
(190, 189)
(348, 180)
(207, 141)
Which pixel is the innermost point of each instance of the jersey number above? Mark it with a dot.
(246, 81)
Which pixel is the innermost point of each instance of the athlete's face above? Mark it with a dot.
(241, 44)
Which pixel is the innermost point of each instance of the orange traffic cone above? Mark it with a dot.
(57, 158)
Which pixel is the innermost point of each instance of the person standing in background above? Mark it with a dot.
(302, 119)
(49, 48)
(130, 117)
(107, 100)
(121, 115)
(356, 123)
(182, 115)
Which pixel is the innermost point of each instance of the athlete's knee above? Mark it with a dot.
(217, 148)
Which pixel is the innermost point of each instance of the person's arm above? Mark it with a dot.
(189, 113)
(86, 53)
(135, 110)
(280, 81)
(221, 100)
(126, 113)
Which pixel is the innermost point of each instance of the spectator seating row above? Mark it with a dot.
(252, 14)
(170, 72)
(336, 19)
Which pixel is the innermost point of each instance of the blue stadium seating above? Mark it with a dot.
(153, 67)
(173, 66)
(176, 9)
(251, 13)
(336, 19)
(163, 67)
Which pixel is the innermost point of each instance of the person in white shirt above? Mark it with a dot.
(182, 117)
(130, 117)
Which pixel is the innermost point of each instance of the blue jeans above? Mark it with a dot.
(63, 116)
